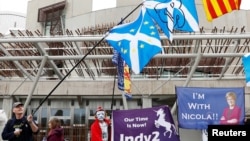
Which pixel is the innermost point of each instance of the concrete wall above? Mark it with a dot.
(79, 15)
(121, 3)
(105, 87)
(102, 88)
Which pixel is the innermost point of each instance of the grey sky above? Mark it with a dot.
(19, 6)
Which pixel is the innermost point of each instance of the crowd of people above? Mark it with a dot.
(22, 128)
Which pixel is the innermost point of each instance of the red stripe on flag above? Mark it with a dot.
(238, 4)
(211, 9)
(233, 4)
(222, 6)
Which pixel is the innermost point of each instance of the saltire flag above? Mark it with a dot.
(124, 81)
(246, 65)
(137, 41)
(217, 8)
(245, 5)
(173, 14)
(147, 124)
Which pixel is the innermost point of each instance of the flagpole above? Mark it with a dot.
(82, 60)
(112, 102)
(124, 101)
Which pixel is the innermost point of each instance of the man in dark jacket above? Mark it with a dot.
(20, 127)
(101, 127)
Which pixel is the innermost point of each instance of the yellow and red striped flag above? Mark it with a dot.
(217, 8)
(127, 81)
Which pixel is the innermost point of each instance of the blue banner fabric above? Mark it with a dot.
(200, 107)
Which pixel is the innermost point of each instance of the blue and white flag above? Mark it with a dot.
(119, 62)
(161, 11)
(173, 14)
(185, 15)
(137, 41)
(246, 64)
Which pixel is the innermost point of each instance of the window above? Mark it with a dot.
(44, 117)
(53, 18)
(63, 114)
(79, 116)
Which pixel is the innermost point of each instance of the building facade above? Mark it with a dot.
(76, 98)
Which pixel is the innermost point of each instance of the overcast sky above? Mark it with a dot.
(14, 5)
(103, 4)
(21, 5)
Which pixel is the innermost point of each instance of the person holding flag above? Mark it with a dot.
(19, 127)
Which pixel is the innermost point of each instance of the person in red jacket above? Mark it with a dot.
(232, 113)
(56, 132)
(101, 127)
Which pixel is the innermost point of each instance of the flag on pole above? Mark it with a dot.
(185, 16)
(137, 41)
(246, 65)
(217, 8)
(173, 14)
(161, 11)
(124, 81)
(118, 61)
(245, 5)
(127, 81)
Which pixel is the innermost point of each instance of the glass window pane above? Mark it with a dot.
(92, 112)
(44, 117)
(63, 114)
(60, 112)
(35, 118)
(79, 116)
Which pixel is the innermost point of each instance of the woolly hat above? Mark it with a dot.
(99, 108)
